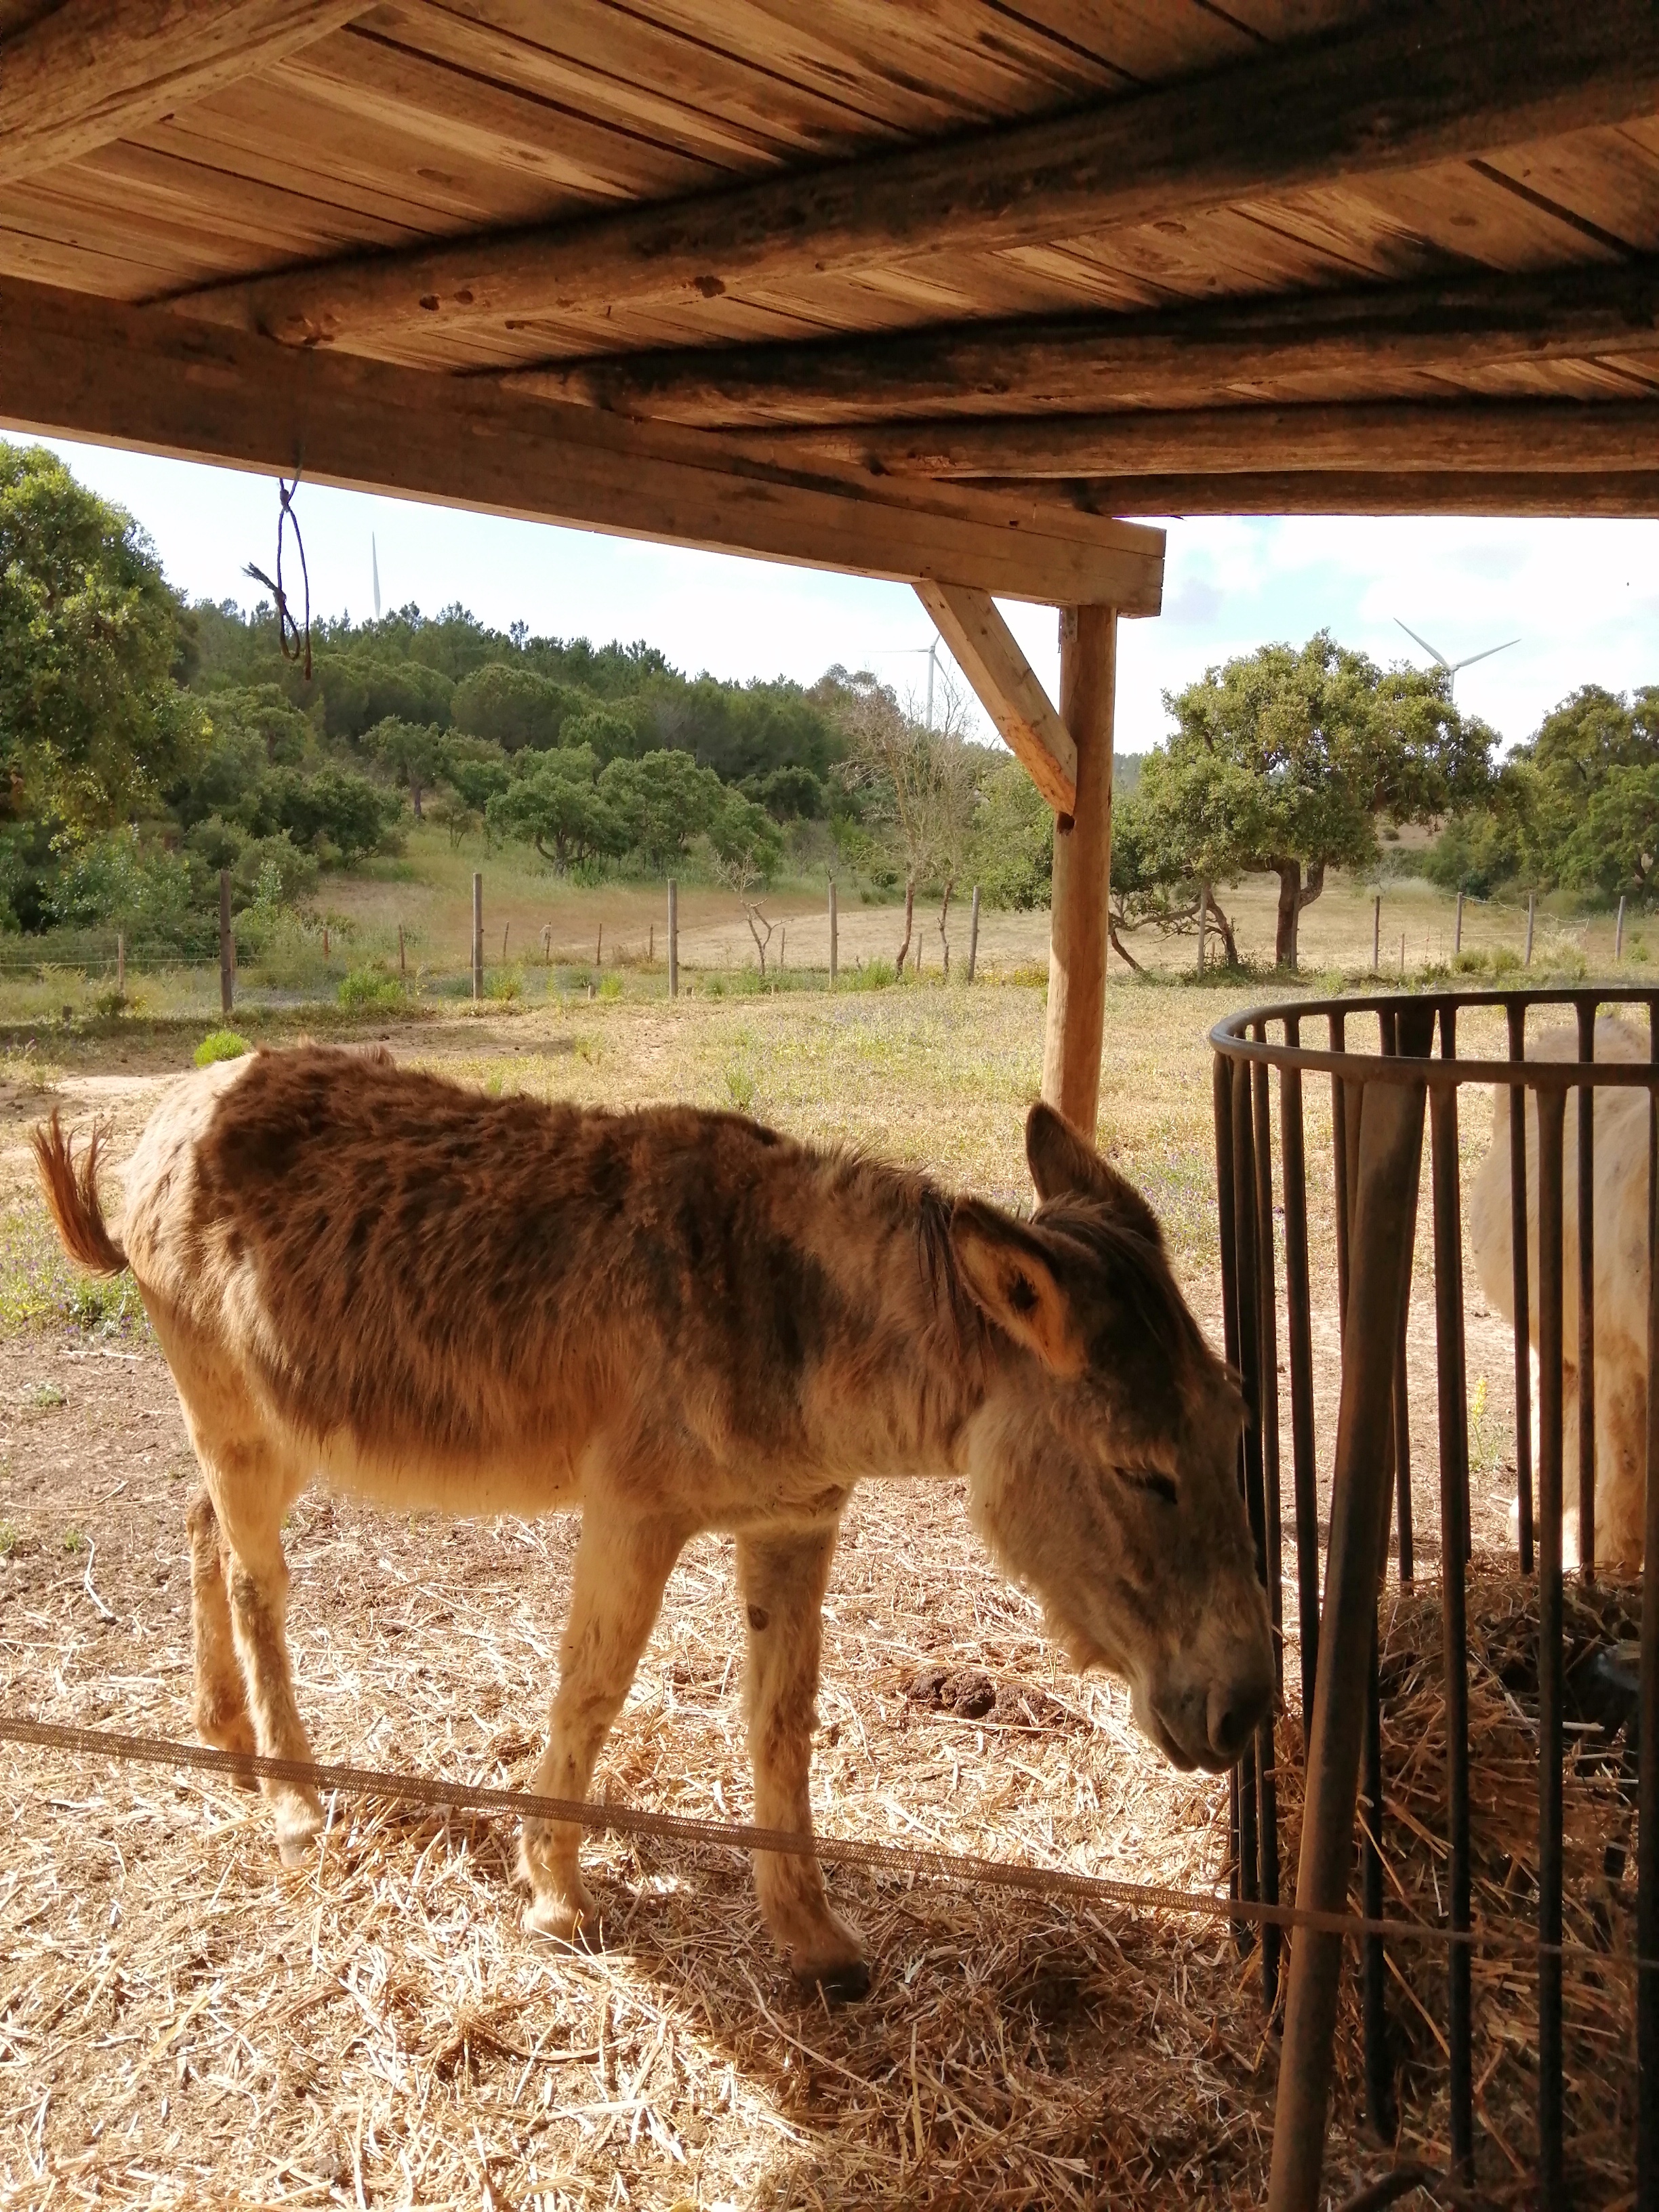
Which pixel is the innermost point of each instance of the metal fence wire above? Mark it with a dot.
(1392, 1062)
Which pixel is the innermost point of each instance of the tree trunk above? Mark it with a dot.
(1294, 893)
(909, 916)
(415, 795)
(944, 916)
(1223, 930)
(1121, 948)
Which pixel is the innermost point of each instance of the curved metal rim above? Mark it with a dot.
(1228, 1040)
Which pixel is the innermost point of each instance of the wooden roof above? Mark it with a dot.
(930, 287)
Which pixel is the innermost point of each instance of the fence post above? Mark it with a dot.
(478, 934)
(1618, 930)
(834, 948)
(1457, 928)
(121, 959)
(1532, 911)
(673, 938)
(1376, 933)
(973, 934)
(227, 971)
(403, 958)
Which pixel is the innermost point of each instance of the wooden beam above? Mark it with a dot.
(94, 71)
(1346, 491)
(1512, 437)
(1184, 358)
(987, 652)
(138, 376)
(1079, 914)
(1404, 86)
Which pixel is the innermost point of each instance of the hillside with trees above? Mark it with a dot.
(150, 744)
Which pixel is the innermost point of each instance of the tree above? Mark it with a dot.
(414, 752)
(91, 724)
(513, 706)
(1284, 761)
(555, 806)
(663, 800)
(922, 782)
(747, 850)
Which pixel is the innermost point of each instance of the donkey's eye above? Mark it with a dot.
(1151, 1477)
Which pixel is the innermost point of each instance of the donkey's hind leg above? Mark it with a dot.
(251, 1482)
(783, 1579)
(221, 1698)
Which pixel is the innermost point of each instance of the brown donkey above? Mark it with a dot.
(671, 1320)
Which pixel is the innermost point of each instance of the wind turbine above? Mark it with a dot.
(1451, 667)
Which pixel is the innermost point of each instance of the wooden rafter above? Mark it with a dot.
(141, 377)
(1553, 436)
(987, 652)
(96, 69)
(1406, 87)
(1178, 358)
(1633, 492)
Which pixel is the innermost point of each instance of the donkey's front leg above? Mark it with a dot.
(783, 1580)
(621, 1567)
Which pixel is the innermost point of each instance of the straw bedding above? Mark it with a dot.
(181, 2020)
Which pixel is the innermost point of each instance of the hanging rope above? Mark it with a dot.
(295, 642)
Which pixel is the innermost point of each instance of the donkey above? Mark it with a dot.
(671, 1320)
(1620, 1308)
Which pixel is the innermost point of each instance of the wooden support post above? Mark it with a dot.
(1389, 1148)
(1532, 916)
(834, 937)
(1457, 928)
(121, 963)
(1376, 933)
(673, 938)
(1083, 861)
(227, 971)
(477, 935)
(973, 935)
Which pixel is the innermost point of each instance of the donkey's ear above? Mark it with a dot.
(1008, 1274)
(1065, 1165)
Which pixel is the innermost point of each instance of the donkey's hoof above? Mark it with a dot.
(298, 1849)
(844, 1984)
(578, 1925)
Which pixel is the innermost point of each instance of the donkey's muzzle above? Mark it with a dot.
(1232, 1714)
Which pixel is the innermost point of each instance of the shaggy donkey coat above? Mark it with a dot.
(671, 1320)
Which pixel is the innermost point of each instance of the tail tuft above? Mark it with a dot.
(71, 1194)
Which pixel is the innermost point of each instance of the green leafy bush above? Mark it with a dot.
(220, 1044)
(368, 989)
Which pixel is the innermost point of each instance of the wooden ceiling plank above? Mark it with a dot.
(140, 377)
(1459, 212)
(96, 69)
(1407, 88)
(1608, 176)
(987, 652)
(1340, 492)
(1462, 436)
(1173, 360)
(617, 70)
(574, 156)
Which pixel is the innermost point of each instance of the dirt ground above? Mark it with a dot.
(181, 2020)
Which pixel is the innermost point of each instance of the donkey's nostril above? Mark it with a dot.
(1235, 1712)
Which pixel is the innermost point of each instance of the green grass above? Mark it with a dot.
(40, 1288)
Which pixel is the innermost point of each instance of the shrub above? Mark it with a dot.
(869, 975)
(371, 989)
(504, 984)
(220, 1044)
(610, 986)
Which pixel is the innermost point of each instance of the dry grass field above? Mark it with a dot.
(183, 2022)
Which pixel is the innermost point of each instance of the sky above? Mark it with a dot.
(1581, 597)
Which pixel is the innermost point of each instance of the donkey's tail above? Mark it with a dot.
(71, 1193)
